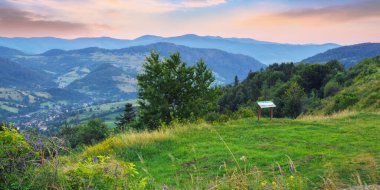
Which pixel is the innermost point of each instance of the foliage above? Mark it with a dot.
(169, 89)
(15, 153)
(89, 133)
(331, 88)
(28, 161)
(361, 90)
(244, 112)
(327, 88)
(24, 157)
(294, 98)
(101, 172)
(342, 101)
(126, 118)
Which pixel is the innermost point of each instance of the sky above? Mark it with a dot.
(285, 21)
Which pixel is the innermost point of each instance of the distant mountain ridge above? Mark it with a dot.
(6, 52)
(111, 73)
(347, 55)
(13, 75)
(265, 52)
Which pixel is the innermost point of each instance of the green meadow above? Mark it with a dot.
(342, 149)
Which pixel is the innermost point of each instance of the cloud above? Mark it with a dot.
(15, 22)
(92, 17)
(324, 15)
(138, 6)
(200, 3)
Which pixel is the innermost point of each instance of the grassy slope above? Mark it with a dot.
(365, 86)
(335, 147)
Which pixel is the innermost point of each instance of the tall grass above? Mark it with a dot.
(319, 117)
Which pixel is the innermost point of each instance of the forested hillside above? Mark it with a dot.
(308, 88)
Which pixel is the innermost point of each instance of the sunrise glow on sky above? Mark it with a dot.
(289, 21)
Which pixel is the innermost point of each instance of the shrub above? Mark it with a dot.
(345, 100)
(212, 117)
(101, 172)
(23, 158)
(331, 88)
(244, 112)
(15, 156)
(89, 133)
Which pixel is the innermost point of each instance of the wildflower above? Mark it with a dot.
(274, 184)
(263, 183)
(164, 187)
(105, 170)
(95, 159)
(243, 158)
(39, 143)
(291, 177)
(27, 137)
(117, 165)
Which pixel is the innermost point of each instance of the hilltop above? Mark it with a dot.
(347, 55)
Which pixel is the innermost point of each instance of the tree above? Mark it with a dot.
(236, 80)
(294, 99)
(93, 131)
(313, 76)
(126, 118)
(168, 89)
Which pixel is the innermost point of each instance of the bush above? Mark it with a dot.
(244, 112)
(345, 100)
(23, 158)
(89, 133)
(331, 88)
(212, 117)
(15, 156)
(103, 173)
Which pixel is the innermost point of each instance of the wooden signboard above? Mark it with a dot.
(265, 104)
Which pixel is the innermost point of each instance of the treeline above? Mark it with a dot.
(293, 88)
(302, 88)
(170, 90)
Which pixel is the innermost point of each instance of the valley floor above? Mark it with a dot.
(338, 148)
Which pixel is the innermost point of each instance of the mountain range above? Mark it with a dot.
(109, 74)
(347, 55)
(265, 52)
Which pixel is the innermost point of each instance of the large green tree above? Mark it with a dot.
(169, 89)
(294, 100)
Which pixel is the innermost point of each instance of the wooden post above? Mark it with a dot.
(258, 113)
(271, 113)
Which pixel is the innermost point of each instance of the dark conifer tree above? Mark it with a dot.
(236, 81)
(126, 117)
